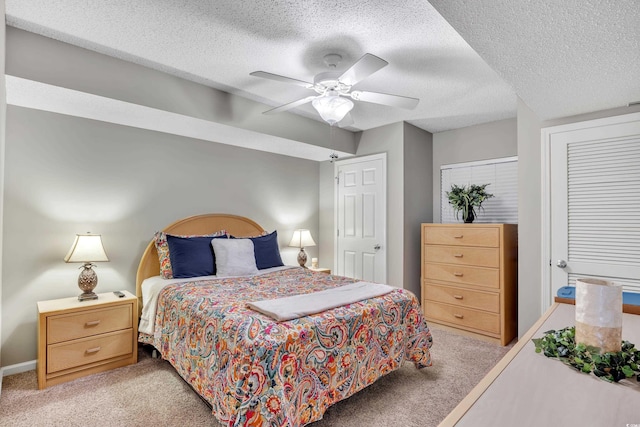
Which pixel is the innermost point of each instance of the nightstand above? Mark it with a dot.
(81, 338)
(321, 270)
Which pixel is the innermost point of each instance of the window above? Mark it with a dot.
(502, 177)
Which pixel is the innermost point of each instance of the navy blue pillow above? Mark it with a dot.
(192, 256)
(267, 251)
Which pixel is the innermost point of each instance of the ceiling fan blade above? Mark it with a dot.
(346, 121)
(290, 105)
(385, 99)
(280, 78)
(362, 69)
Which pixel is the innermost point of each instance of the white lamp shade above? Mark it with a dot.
(332, 108)
(87, 248)
(302, 239)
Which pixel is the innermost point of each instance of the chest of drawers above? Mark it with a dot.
(81, 338)
(469, 278)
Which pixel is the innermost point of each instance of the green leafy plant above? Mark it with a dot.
(612, 366)
(465, 199)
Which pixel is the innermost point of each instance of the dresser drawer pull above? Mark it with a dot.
(457, 255)
(458, 296)
(458, 274)
(458, 316)
(459, 236)
(92, 323)
(93, 350)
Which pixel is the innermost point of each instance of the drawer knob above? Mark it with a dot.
(93, 350)
(459, 236)
(458, 316)
(458, 296)
(92, 323)
(457, 255)
(458, 274)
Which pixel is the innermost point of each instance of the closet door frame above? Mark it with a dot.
(546, 138)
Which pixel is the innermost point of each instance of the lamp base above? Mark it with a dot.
(87, 296)
(302, 258)
(87, 281)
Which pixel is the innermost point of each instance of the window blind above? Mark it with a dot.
(502, 177)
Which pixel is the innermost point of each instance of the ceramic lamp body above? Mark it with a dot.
(302, 257)
(87, 282)
(599, 314)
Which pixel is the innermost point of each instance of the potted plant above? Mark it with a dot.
(465, 199)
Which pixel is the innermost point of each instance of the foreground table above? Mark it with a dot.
(528, 389)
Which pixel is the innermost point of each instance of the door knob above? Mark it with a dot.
(376, 246)
(561, 263)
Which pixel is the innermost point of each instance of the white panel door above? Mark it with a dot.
(595, 202)
(361, 218)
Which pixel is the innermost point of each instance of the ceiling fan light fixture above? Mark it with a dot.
(332, 107)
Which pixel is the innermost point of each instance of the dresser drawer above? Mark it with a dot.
(467, 317)
(488, 301)
(67, 327)
(462, 236)
(483, 257)
(88, 350)
(475, 276)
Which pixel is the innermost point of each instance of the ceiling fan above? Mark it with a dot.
(334, 89)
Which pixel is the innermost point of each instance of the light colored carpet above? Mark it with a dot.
(151, 393)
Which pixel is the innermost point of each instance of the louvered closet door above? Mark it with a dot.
(595, 205)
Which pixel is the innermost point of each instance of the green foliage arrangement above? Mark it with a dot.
(464, 199)
(613, 366)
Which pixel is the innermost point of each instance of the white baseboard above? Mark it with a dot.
(18, 368)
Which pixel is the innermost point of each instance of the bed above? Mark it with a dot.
(255, 371)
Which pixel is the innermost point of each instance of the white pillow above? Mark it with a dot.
(234, 257)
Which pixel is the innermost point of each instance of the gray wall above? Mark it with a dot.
(529, 206)
(529, 218)
(67, 175)
(480, 142)
(3, 110)
(418, 196)
(326, 220)
(42, 59)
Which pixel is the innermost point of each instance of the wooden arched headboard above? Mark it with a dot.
(200, 224)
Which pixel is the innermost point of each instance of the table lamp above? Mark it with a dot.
(302, 238)
(87, 249)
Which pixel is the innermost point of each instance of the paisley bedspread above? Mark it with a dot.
(255, 371)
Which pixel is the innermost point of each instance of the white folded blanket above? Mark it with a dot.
(295, 306)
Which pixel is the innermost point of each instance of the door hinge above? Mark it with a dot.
(337, 179)
(338, 232)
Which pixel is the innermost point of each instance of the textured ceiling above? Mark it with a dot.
(561, 57)
(218, 43)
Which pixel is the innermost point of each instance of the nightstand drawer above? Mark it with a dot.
(483, 257)
(88, 350)
(67, 327)
(488, 301)
(474, 276)
(462, 236)
(479, 320)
